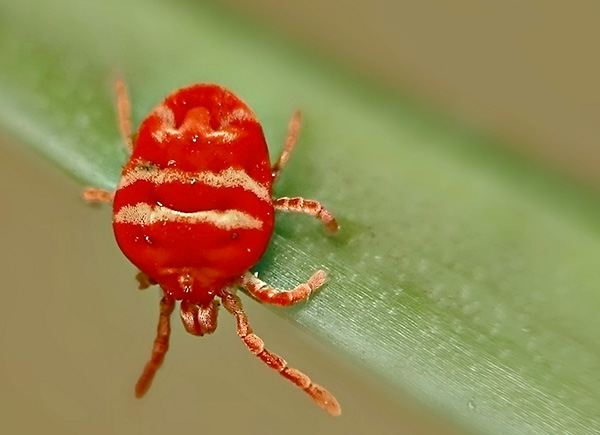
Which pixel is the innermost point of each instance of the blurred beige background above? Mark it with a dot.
(527, 72)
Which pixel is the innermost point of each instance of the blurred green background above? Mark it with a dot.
(458, 145)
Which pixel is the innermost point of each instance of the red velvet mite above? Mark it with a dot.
(194, 212)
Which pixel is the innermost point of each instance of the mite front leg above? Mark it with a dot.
(124, 114)
(310, 207)
(320, 395)
(95, 195)
(290, 142)
(284, 298)
(160, 348)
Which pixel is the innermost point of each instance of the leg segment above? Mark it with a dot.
(94, 195)
(283, 298)
(320, 395)
(290, 142)
(308, 206)
(144, 281)
(124, 114)
(161, 346)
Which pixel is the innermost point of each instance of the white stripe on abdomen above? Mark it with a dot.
(144, 214)
(227, 178)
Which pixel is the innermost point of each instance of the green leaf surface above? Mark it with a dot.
(463, 276)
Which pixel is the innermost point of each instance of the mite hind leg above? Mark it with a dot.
(94, 195)
(299, 205)
(261, 291)
(124, 114)
(255, 345)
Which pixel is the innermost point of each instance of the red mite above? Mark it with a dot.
(194, 212)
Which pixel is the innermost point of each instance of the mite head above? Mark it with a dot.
(199, 319)
(191, 124)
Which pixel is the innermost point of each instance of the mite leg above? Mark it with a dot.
(95, 195)
(283, 298)
(320, 395)
(124, 114)
(308, 206)
(92, 194)
(293, 131)
(161, 346)
(144, 281)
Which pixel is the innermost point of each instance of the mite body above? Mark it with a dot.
(194, 212)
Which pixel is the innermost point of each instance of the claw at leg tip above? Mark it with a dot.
(325, 400)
